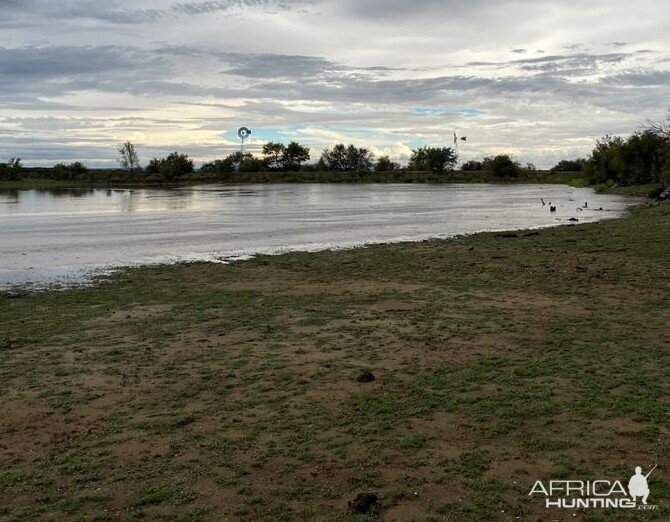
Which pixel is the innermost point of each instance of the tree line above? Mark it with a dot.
(642, 158)
(278, 157)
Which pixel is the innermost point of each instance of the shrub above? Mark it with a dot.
(344, 159)
(434, 159)
(72, 171)
(385, 164)
(174, 166)
(575, 165)
(11, 170)
(472, 166)
(503, 166)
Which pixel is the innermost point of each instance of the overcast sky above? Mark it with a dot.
(538, 79)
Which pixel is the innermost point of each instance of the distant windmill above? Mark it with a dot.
(243, 133)
(456, 139)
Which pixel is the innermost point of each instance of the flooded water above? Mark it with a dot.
(64, 236)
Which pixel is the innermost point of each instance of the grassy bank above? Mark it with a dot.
(115, 178)
(207, 391)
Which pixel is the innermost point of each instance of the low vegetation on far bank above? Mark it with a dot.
(615, 163)
(211, 392)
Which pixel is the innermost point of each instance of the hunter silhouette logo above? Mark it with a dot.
(596, 494)
(638, 485)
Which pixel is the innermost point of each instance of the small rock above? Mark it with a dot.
(574, 220)
(366, 376)
(363, 502)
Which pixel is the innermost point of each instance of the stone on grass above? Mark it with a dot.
(365, 376)
(363, 502)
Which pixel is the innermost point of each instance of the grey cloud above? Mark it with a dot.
(641, 79)
(74, 72)
(54, 71)
(120, 12)
(61, 62)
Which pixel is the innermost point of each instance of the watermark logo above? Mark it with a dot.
(597, 494)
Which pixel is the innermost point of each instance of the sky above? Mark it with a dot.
(538, 79)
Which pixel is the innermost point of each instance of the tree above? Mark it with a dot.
(384, 164)
(74, 170)
(253, 164)
(237, 159)
(219, 166)
(606, 161)
(174, 166)
(294, 156)
(434, 159)
(661, 129)
(359, 159)
(235, 162)
(11, 171)
(344, 158)
(128, 157)
(504, 166)
(275, 155)
(472, 166)
(530, 168)
(575, 165)
(643, 157)
(335, 158)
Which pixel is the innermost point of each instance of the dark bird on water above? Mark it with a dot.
(552, 209)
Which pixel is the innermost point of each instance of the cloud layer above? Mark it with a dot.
(538, 79)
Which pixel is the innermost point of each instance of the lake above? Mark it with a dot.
(65, 236)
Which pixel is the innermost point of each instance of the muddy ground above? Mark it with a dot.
(214, 392)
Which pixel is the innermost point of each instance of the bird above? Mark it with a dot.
(543, 203)
(552, 208)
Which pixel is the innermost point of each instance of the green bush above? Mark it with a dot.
(174, 166)
(642, 158)
(11, 171)
(74, 170)
(503, 166)
(434, 159)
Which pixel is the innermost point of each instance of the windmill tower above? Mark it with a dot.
(243, 133)
(456, 140)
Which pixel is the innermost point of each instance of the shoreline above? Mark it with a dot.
(209, 391)
(96, 275)
(107, 179)
(576, 180)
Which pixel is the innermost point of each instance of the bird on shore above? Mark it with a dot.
(543, 203)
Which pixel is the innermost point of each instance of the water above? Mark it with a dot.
(65, 236)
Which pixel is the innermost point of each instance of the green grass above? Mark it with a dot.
(205, 391)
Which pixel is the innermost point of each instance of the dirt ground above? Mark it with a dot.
(213, 392)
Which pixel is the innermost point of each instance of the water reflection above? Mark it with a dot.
(88, 200)
(51, 234)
